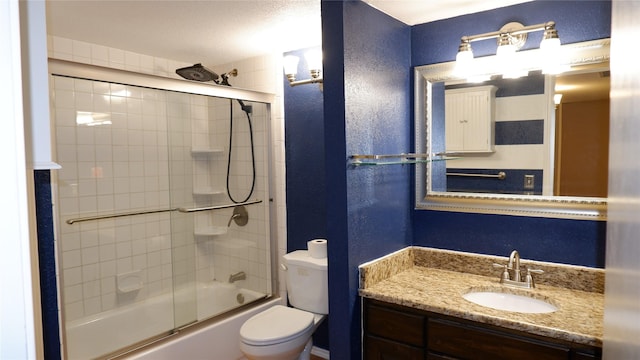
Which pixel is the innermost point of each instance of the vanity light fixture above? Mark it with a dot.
(511, 37)
(314, 62)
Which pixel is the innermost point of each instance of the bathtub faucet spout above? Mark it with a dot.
(237, 276)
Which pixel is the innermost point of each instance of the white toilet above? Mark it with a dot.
(284, 333)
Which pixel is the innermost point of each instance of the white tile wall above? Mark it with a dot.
(126, 165)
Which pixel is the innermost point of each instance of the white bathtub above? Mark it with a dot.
(109, 331)
(218, 341)
(217, 297)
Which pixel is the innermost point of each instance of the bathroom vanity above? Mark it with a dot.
(413, 308)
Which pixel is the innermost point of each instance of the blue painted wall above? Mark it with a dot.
(305, 175)
(564, 241)
(576, 242)
(367, 110)
(304, 150)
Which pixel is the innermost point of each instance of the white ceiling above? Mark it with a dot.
(414, 12)
(216, 32)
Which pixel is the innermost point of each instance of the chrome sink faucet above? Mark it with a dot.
(514, 267)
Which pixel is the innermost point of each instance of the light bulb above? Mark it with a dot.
(551, 56)
(506, 51)
(464, 60)
(290, 64)
(314, 59)
(464, 63)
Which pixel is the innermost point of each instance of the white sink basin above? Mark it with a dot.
(510, 302)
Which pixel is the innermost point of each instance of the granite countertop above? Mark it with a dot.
(435, 280)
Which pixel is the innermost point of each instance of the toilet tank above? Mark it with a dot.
(307, 282)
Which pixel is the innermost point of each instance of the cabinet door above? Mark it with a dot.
(477, 122)
(376, 348)
(470, 342)
(395, 325)
(469, 120)
(454, 121)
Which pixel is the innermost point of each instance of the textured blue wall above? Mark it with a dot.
(304, 149)
(576, 242)
(367, 110)
(305, 175)
(563, 241)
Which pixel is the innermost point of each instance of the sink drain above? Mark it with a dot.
(240, 298)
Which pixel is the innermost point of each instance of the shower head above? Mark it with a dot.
(197, 72)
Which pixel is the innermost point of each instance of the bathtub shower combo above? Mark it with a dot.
(162, 205)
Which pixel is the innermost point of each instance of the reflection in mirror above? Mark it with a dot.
(535, 145)
(582, 133)
(497, 128)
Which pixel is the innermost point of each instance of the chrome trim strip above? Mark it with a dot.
(110, 216)
(144, 212)
(218, 207)
(99, 73)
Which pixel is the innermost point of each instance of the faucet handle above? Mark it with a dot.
(529, 278)
(505, 272)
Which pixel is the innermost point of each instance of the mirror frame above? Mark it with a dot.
(567, 207)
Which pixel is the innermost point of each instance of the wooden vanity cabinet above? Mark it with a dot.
(393, 332)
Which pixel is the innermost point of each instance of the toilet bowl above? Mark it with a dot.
(279, 333)
(284, 333)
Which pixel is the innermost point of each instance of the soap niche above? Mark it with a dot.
(129, 282)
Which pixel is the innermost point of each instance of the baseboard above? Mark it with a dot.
(319, 352)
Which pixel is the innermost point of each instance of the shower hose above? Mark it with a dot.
(247, 111)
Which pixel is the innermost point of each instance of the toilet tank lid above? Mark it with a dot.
(302, 257)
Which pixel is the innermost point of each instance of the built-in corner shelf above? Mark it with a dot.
(207, 191)
(210, 231)
(206, 151)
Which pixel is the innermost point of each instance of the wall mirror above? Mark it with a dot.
(532, 146)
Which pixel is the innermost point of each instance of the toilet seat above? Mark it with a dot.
(276, 325)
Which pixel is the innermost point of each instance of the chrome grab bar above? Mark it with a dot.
(143, 212)
(218, 207)
(501, 175)
(100, 217)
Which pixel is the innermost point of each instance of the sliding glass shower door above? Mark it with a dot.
(149, 239)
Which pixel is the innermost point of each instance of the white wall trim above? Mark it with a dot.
(17, 325)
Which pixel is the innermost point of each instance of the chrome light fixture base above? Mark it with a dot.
(513, 31)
